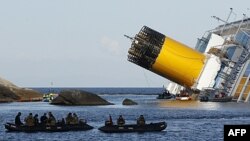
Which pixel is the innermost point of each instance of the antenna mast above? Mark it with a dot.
(131, 38)
(231, 11)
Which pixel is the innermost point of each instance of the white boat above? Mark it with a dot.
(183, 98)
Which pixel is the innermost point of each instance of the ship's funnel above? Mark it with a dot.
(166, 57)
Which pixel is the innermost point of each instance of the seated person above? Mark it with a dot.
(75, 119)
(36, 120)
(29, 120)
(51, 120)
(18, 121)
(69, 118)
(120, 121)
(62, 122)
(109, 121)
(141, 120)
(44, 119)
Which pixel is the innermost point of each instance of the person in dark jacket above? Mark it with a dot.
(109, 121)
(69, 118)
(141, 120)
(120, 121)
(63, 121)
(51, 120)
(36, 120)
(18, 121)
(43, 119)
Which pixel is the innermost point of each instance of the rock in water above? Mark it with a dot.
(79, 98)
(129, 102)
(10, 92)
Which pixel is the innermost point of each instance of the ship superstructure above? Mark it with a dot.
(231, 45)
(218, 64)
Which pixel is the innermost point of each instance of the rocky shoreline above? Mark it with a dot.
(12, 93)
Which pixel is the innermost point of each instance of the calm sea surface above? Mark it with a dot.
(187, 121)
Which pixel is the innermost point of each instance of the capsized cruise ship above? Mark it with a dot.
(219, 63)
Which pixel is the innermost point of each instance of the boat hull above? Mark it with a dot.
(56, 128)
(162, 96)
(183, 98)
(152, 127)
(222, 99)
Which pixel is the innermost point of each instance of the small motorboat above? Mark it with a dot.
(165, 95)
(222, 99)
(183, 98)
(49, 97)
(151, 127)
(215, 96)
(216, 99)
(184, 95)
(44, 128)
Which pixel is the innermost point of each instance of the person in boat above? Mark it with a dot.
(75, 119)
(44, 119)
(69, 118)
(51, 119)
(141, 120)
(36, 120)
(63, 121)
(120, 120)
(29, 120)
(109, 121)
(18, 121)
(166, 92)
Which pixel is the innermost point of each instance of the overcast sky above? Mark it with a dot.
(80, 43)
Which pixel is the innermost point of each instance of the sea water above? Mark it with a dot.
(187, 121)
